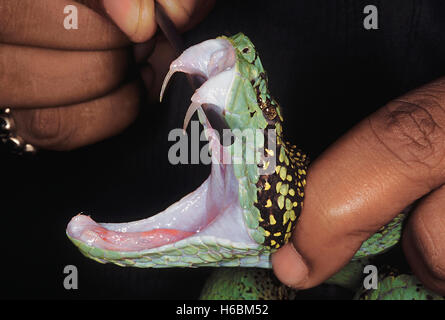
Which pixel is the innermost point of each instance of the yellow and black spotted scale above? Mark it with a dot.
(280, 195)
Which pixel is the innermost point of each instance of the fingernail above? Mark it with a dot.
(95, 5)
(290, 267)
(119, 11)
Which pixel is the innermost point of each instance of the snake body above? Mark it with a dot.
(246, 209)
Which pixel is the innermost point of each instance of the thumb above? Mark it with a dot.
(136, 18)
(363, 181)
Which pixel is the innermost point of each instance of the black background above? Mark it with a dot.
(324, 68)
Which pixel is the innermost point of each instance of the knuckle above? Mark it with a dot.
(436, 266)
(50, 128)
(7, 12)
(432, 255)
(427, 228)
(13, 23)
(45, 123)
(412, 130)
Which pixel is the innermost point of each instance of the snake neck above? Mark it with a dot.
(280, 194)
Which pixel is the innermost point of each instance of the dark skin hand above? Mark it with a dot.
(80, 94)
(77, 95)
(382, 165)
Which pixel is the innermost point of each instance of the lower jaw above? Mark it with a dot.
(211, 210)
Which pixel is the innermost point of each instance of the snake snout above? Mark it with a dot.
(205, 60)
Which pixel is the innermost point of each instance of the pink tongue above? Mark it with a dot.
(135, 241)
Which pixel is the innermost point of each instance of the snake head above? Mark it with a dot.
(248, 205)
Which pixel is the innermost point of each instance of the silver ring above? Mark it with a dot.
(8, 137)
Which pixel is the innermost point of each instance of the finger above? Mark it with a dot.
(160, 61)
(70, 127)
(37, 77)
(41, 24)
(136, 18)
(142, 51)
(364, 180)
(424, 239)
(187, 13)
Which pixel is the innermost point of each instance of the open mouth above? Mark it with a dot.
(213, 209)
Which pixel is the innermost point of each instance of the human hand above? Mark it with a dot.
(385, 163)
(70, 88)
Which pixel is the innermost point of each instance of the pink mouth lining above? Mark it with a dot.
(97, 235)
(192, 215)
(213, 208)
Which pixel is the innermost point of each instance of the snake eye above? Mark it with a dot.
(248, 53)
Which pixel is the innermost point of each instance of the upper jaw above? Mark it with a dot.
(214, 61)
(206, 59)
